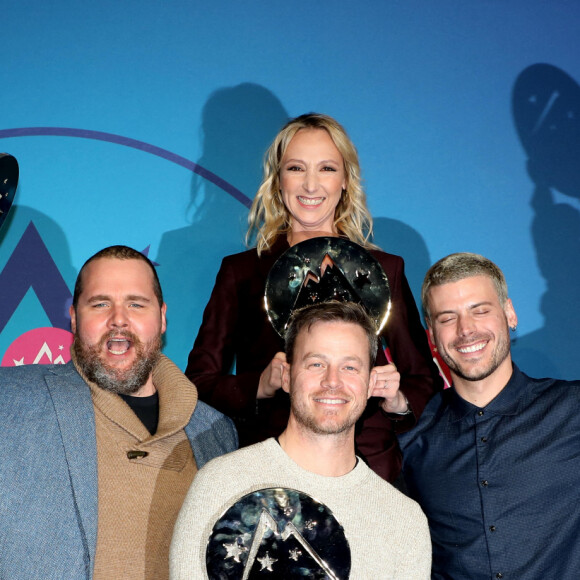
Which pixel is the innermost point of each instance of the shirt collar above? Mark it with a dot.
(508, 402)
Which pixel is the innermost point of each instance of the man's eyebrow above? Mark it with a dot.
(99, 298)
(137, 298)
(482, 303)
(314, 355)
(448, 311)
(322, 356)
(352, 359)
(470, 307)
(129, 298)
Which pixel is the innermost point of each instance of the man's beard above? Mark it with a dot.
(304, 417)
(499, 354)
(120, 381)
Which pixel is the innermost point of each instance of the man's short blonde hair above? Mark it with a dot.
(457, 267)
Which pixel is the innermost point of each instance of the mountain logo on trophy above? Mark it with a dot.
(332, 284)
(279, 531)
(290, 543)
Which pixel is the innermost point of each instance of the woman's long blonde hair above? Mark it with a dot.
(269, 217)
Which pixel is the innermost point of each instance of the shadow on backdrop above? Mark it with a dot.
(546, 110)
(396, 237)
(238, 125)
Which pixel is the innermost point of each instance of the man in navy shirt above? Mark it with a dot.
(495, 460)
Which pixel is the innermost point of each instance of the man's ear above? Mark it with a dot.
(510, 313)
(431, 337)
(73, 319)
(286, 377)
(372, 383)
(163, 318)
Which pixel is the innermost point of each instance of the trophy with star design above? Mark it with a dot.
(283, 532)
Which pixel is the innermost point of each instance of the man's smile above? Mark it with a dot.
(472, 348)
(331, 401)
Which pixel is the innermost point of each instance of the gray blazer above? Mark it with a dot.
(48, 470)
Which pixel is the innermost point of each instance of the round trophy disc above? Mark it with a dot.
(280, 533)
(322, 269)
(8, 183)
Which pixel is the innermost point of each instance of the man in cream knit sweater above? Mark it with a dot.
(305, 505)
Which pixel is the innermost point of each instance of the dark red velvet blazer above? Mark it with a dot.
(235, 331)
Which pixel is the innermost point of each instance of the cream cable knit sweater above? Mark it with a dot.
(387, 532)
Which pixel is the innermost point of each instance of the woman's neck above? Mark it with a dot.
(297, 237)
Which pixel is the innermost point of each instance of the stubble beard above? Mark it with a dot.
(307, 420)
(500, 353)
(120, 381)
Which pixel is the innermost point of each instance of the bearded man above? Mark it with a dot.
(98, 454)
(494, 461)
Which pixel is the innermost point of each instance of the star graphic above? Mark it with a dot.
(295, 554)
(18, 363)
(267, 562)
(60, 347)
(309, 524)
(234, 550)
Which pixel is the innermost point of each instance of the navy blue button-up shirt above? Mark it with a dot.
(500, 484)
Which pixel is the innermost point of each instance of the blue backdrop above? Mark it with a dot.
(144, 123)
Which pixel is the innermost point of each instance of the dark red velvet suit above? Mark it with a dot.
(235, 329)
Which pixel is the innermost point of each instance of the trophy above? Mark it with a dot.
(278, 533)
(8, 183)
(322, 269)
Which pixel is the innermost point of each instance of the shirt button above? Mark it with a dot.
(492, 528)
(484, 439)
(480, 413)
(484, 483)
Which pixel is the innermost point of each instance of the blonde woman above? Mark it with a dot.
(311, 187)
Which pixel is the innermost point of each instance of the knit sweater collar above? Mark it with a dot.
(353, 478)
(177, 401)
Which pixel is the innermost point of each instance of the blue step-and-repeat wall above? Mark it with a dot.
(144, 123)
